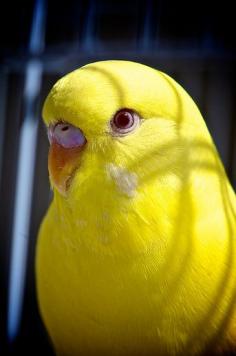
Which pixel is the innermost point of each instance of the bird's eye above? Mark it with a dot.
(66, 135)
(124, 121)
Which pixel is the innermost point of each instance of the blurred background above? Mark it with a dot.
(40, 41)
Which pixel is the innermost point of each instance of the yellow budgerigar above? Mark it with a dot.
(137, 252)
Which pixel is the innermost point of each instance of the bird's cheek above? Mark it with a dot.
(62, 164)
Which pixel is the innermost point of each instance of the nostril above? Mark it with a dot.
(66, 135)
(65, 128)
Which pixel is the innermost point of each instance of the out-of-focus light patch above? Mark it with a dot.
(146, 35)
(36, 43)
(32, 80)
(88, 42)
(24, 187)
(25, 175)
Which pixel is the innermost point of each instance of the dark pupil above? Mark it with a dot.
(123, 119)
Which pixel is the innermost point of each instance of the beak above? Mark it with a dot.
(62, 164)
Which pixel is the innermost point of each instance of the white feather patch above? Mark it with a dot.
(125, 181)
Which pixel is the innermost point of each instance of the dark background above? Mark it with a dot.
(192, 41)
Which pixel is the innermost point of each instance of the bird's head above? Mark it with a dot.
(122, 116)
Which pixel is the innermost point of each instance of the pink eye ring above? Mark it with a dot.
(124, 121)
(66, 135)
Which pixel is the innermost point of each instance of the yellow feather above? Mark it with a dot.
(139, 258)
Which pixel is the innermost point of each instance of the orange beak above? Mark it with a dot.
(62, 164)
